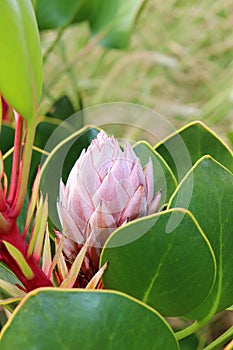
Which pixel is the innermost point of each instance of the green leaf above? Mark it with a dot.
(56, 13)
(6, 143)
(11, 289)
(20, 59)
(189, 343)
(61, 109)
(212, 205)
(117, 18)
(195, 140)
(171, 270)
(77, 319)
(7, 276)
(164, 178)
(114, 19)
(8, 287)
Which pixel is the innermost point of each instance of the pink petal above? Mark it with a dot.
(149, 177)
(101, 218)
(129, 152)
(80, 206)
(101, 137)
(154, 205)
(102, 225)
(70, 228)
(136, 178)
(69, 248)
(88, 176)
(104, 155)
(135, 208)
(121, 168)
(112, 194)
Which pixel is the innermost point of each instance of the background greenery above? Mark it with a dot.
(179, 62)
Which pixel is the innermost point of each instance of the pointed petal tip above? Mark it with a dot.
(155, 203)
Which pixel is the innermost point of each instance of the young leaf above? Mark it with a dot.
(97, 277)
(32, 203)
(78, 319)
(47, 255)
(36, 227)
(11, 289)
(41, 231)
(20, 260)
(76, 266)
(20, 59)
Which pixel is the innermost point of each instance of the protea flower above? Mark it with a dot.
(107, 187)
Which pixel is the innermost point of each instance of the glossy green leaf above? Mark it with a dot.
(197, 140)
(6, 138)
(6, 143)
(114, 19)
(56, 13)
(172, 271)
(117, 18)
(212, 205)
(164, 178)
(77, 319)
(20, 59)
(8, 276)
(189, 343)
(61, 109)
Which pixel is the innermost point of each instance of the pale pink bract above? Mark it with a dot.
(106, 188)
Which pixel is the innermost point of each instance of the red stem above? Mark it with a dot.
(16, 159)
(14, 237)
(3, 205)
(24, 171)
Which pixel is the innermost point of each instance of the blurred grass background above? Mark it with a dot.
(179, 63)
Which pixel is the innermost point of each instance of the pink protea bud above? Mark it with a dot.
(106, 188)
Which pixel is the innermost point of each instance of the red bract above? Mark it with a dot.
(15, 252)
(7, 112)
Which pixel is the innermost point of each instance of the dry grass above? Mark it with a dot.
(180, 63)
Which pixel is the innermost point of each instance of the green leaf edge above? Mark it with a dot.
(160, 158)
(104, 291)
(191, 170)
(216, 301)
(196, 122)
(185, 212)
